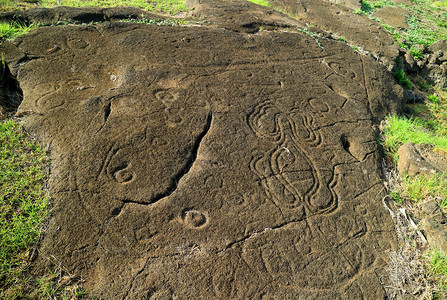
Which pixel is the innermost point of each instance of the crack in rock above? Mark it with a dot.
(184, 171)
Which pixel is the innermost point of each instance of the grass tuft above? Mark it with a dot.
(437, 267)
(402, 79)
(14, 29)
(23, 202)
(400, 130)
(261, 2)
(420, 187)
(161, 6)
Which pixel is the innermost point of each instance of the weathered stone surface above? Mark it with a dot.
(241, 15)
(359, 30)
(352, 4)
(436, 74)
(410, 63)
(47, 16)
(438, 46)
(435, 64)
(434, 224)
(203, 163)
(436, 232)
(415, 159)
(411, 97)
(392, 15)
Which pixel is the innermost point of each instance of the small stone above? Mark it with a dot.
(411, 161)
(434, 58)
(438, 46)
(410, 63)
(435, 232)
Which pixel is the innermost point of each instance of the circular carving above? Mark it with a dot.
(123, 173)
(194, 218)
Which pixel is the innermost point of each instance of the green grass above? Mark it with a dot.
(423, 85)
(402, 79)
(418, 188)
(437, 267)
(312, 34)
(401, 130)
(437, 107)
(427, 23)
(417, 51)
(23, 202)
(161, 6)
(261, 2)
(162, 22)
(429, 126)
(14, 29)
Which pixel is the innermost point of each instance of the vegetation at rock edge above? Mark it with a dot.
(14, 29)
(426, 19)
(427, 23)
(160, 6)
(428, 125)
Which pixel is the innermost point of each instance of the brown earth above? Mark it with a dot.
(213, 161)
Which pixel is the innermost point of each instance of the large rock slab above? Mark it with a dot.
(203, 163)
(358, 30)
(80, 15)
(241, 15)
(393, 15)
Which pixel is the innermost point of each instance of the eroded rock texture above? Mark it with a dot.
(203, 163)
(358, 30)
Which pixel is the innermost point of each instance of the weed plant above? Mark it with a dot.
(402, 79)
(423, 85)
(14, 29)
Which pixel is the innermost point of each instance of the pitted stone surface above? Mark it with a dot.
(203, 163)
(358, 30)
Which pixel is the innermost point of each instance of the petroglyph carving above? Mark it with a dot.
(303, 256)
(194, 219)
(122, 174)
(288, 175)
(177, 182)
(121, 171)
(172, 110)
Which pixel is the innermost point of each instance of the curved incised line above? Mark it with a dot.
(314, 170)
(285, 133)
(254, 119)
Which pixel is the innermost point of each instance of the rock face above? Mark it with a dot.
(416, 159)
(203, 163)
(435, 70)
(392, 15)
(358, 30)
(434, 225)
(10, 92)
